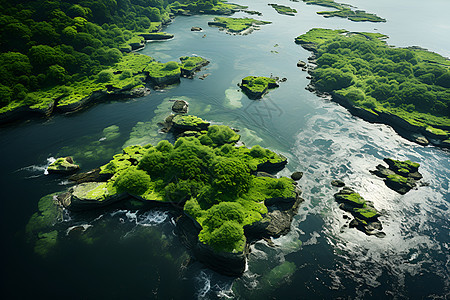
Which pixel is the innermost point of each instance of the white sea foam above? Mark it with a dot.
(152, 218)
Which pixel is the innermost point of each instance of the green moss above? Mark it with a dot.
(62, 165)
(344, 11)
(133, 181)
(262, 188)
(159, 70)
(134, 62)
(276, 276)
(46, 242)
(236, 25)
(188, 122)
(191, 62)
(366, 213)
(351, 198)
(219, 135)
(397, 179)
(200, 7)
(130, 156)
(318, 36)
(49, 213)
(397, 165)
(381, 79)
(254, 87)
(284, 10)
(97, 191)
(111, 133)
(213, 179)
(442, 134)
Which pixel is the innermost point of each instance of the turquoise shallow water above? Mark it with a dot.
(138, 254)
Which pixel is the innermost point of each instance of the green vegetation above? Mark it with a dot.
(344, 11)
(133, 181)
(371, 75)
(158, 71)
(47, 45)
(236, 25)
(191, 63)
(64, 51)
(354, 199)
(363, 211)
(62, 165)
(284, 10)
(255, 87)
(213, 7)
(214, 178)
(39, 226)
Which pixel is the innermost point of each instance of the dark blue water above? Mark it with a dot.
(137, 254)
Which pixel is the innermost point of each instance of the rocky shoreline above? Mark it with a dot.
(109, 93)
(93, 191)
(411, 132)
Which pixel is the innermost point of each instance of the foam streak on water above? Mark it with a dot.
(329, 149)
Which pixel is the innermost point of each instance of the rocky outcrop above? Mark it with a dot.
(103, 95)
(226, 263)
(296, 176)
(337, 183)
(278, 220)
(180, 107)
(364, 213)
(257, 91)
(271, 167)
(400, 176)
(190, 71)
(156, 36)
(181, 123)
(194, 28)
(63, 165)
(165, 80)
(90, 195)
(90, 176)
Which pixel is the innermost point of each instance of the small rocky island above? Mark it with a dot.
(227, 193)
(400, 176)
(344, 11)
(283, 10)
(241, 26)
(365, 216)
(256, 87)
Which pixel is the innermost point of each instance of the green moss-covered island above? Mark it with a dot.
(365, 216)
(63, 165)
(283, 10)
(407, 88)
(62, 56)
(213, 7)
(127, 78)
(256, 87)
(400, 176)
(220, 186)
(344, 11)
(237, 25)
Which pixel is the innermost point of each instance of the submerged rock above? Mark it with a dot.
(63, 165)
(337, 183)
(297, 176)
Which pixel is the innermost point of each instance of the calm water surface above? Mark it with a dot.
(137, 254)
